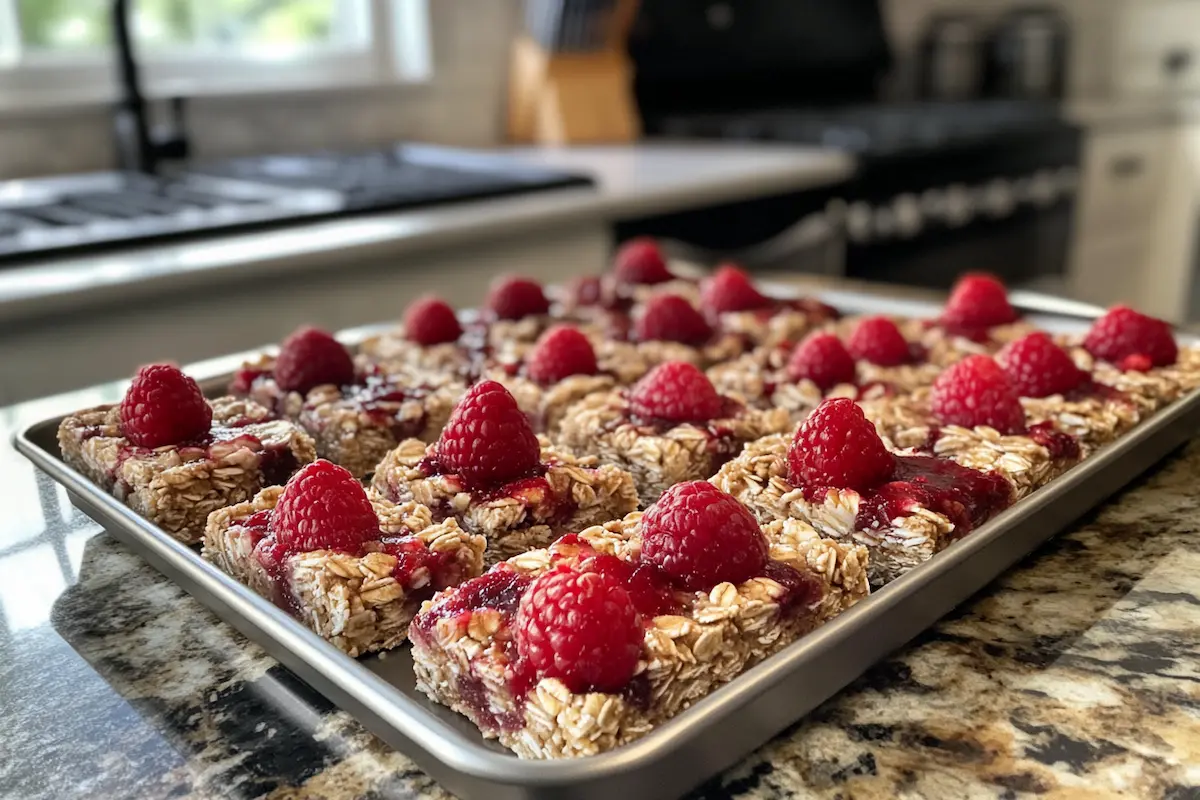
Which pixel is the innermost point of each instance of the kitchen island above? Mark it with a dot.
(1074, 675)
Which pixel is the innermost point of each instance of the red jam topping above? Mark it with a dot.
(965, 496)
(1061, 445)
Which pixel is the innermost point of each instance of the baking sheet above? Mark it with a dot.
(716, 732)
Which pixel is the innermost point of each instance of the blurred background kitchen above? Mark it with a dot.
(185, 178)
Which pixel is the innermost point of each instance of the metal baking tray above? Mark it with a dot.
(722, 728)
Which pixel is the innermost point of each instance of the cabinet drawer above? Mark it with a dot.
(1124, 174)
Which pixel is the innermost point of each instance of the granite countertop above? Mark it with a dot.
(1075, 675)
(631, 181)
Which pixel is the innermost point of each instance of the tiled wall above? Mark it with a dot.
(463, 104)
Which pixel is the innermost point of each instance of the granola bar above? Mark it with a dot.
(361, 602)
(929, 503)
(661, 454)
(463, 653)
(571, 494)
(177, 486)
(356, 425)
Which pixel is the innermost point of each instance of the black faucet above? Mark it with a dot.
(138, 147)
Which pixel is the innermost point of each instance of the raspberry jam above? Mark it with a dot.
(379, 400)
(419, 567)
(801, 590)
(499, 589)
(965, 496)
(647, 586)
(1060, 445)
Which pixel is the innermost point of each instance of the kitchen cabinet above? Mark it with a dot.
(1136, 216)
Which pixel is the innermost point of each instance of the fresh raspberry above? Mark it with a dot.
(582, 628)
(1038, 367)
(978, 301)
(676, 392)
(822, 359)
(430, 320)
(1123, 332)
(310, 357)
(878, 340)
(641, 262)
(163, 406)
(488, 440)
(700, 536)
(975, 391)
(1135, 363)
(560, 353)
(670, 318)
(730, 289)
(323, 507)
(517, 298)
(585, 291)
(837, 446)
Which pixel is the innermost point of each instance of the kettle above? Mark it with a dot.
(1028, 55)
(951, 60)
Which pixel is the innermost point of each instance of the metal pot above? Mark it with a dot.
(1029, 55)
(951, 58)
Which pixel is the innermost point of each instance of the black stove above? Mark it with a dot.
(940, 188)
(52, 216)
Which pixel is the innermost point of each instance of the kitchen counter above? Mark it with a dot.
(633, 181)
(82, 321)
(1075, 675)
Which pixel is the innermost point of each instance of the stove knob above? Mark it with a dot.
(1022, 190)
(858, 223)
(907, 210)
(933, 203)
(959, 207)
(998, 198)
(885, 223)
(1043, 189)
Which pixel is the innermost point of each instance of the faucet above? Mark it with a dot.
(138, 147)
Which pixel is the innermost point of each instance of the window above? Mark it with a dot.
(60, 51)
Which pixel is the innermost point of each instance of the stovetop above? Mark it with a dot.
(877, 130)
(46, 216)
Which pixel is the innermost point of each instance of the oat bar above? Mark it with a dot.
(570, 494)
(463, 654)
(661, 454)
(361, 602)
(929, 503)
(177, 486)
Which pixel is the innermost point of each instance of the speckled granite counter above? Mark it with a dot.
(1075, 676)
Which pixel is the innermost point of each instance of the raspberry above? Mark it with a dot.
(837, 446)
(488, 440)
(730, 289)
(676, 392)
(323, 507)
(641, 262)
(1123, 332)
(700, 536)
(560, 353)
(517, 298)
(163, 406)
(582, 628)
(878, 340)
(1135, 363)
(1038, 367)
(585, 291)
(310, 357)
(975, 391)
(670, 318)
(978, 301)
(822, 359)
(430, 321)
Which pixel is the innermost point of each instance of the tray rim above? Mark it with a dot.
(454, 749)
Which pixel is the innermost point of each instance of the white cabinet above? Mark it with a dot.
(1136, 219)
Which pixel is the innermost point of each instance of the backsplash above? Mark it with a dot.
(462, 104)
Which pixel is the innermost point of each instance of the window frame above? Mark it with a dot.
(394, 48)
